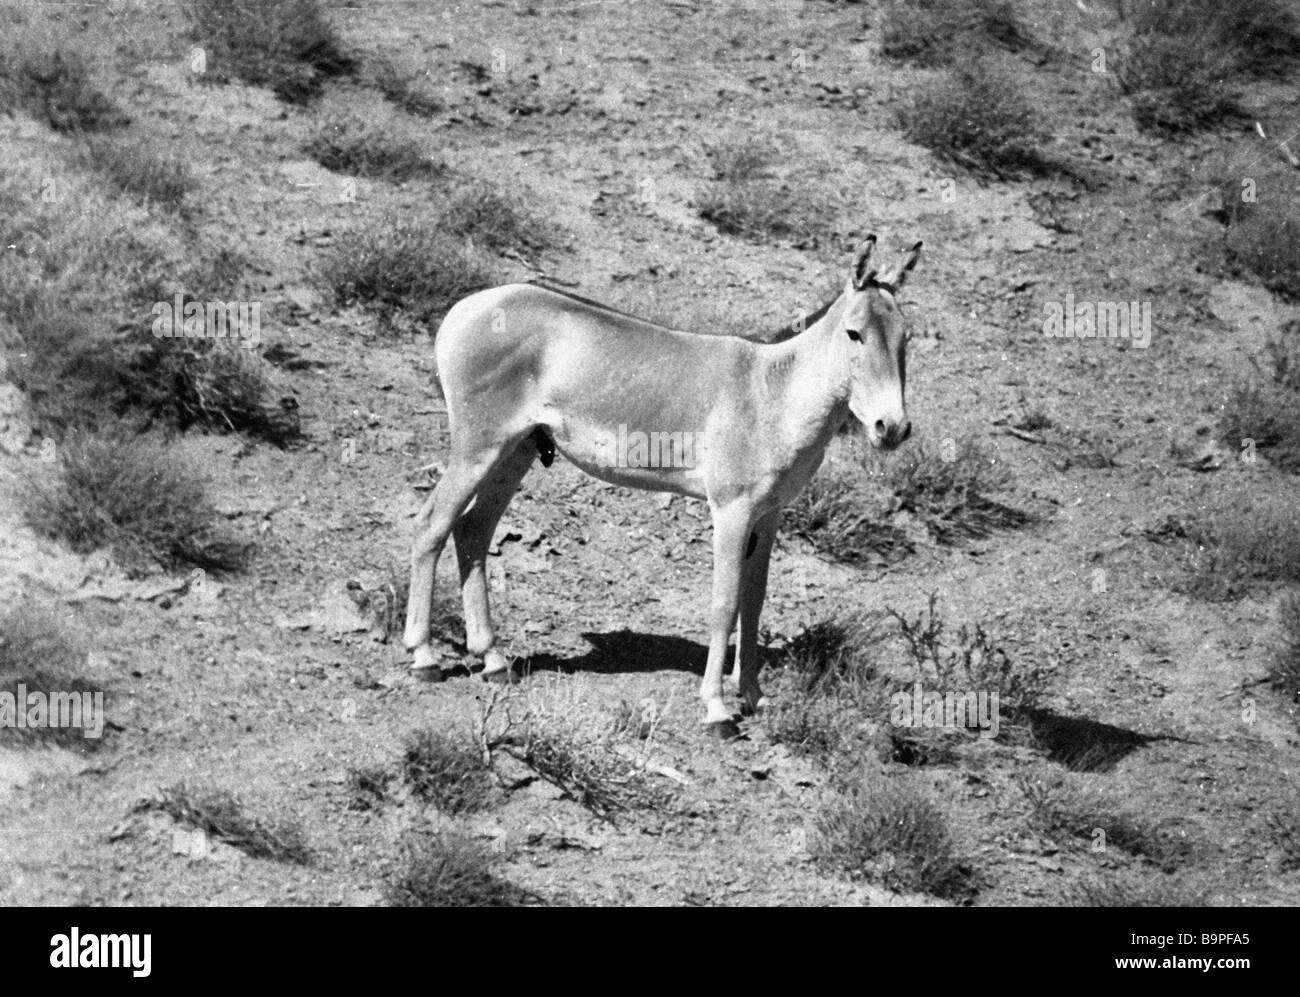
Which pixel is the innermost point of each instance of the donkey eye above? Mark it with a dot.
(854, 335)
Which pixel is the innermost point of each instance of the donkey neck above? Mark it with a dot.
(806, 378)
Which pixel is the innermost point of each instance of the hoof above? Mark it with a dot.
(501, 676)
(722, 730)
(748, 709)
(425, 658)
(429, 673)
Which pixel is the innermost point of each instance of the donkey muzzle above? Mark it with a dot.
(890, 435)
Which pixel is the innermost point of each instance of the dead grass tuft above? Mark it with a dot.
(948, 487)
(447, 771)
(368, 787)
(1231, 548)
(973, 661)
(450, 869)
(497, 222)
(362, 141)
(746, 198)
(406, 270)
(943, 32)
(977, 117)
(39, 652)
(131, 167)
(288, 46)
(890, 833)
(133, 495)
(1142, 890)
(579, 749)
(1079, 807)
(47, 73)
(220, 815)
(1284, 668)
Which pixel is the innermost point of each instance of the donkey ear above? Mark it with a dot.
(859, 274)
(913, 255)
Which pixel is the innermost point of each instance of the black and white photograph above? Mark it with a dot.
(651, 453)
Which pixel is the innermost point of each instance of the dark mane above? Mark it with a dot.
(792, 329)
(598, 304)
(780, 335)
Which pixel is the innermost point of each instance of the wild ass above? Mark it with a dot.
(528, 371)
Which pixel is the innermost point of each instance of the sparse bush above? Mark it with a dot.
(1260, 37)
(131, 494)
(221, 816)
(407, 88)
(830, 653)
(947, 489)
(404, 268)
(977, 117)
(1234, 547)
(574, 746)
(134, 169)
(960, 671)
(890, 833)
(830, 695)
(38, 652)
(1034, 421)
(1284, 356)
(496, 221)
(1267, 243)
(81, 304)
(834, 514)
(368, 787)
(1264, 34)
(448, 869)
(821, 727)
(747, 199)
(361, 142)
(1135, 890)
(589, 772)
(1284, 669)
(1284, 827)
(51, 78)
(447, 771)
(976, 661)
(941, 32)
(1179, 54)
(79, 371)
(1174, 83)
(1079, 808)
(286, 45)
(1269, 413)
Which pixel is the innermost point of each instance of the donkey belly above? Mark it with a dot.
(657, 461)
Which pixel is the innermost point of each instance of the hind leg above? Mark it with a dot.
(465, 473)
(473, 535)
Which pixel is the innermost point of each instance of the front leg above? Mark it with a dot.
(731, 528)
(758, 553)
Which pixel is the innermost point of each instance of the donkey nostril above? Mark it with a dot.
(907, 431)
(880, 426)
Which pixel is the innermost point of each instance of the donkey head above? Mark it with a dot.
(870, 332)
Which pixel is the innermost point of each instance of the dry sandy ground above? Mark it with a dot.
(269, 685)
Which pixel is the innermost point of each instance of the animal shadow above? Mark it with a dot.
(1084, 745)
(619, 651)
